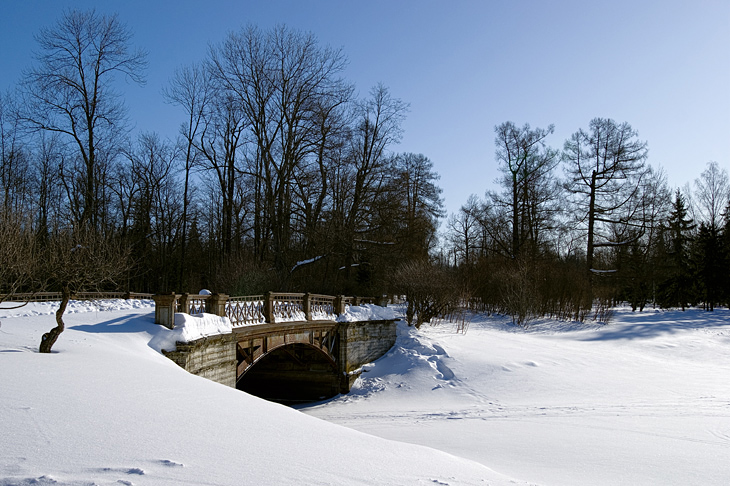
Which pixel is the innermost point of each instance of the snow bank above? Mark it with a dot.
(106, 409)
(367, 312)
(189, 328)
(11, 309)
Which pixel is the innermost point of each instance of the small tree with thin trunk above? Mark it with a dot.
(79, 261)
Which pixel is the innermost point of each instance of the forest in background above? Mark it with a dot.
(282, 178)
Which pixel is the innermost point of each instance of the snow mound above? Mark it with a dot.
(414, 362)
(189, 328)
(367, 312)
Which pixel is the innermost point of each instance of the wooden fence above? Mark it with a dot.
(56, 296)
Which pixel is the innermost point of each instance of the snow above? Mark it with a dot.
(367, 312)
(305, 262)
(107, 409)
(643, 400)
(189, 328)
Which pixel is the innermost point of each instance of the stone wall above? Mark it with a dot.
(211, 357)
(364, 342)
(360, 343)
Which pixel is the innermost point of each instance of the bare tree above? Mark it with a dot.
(15, 165)
(18, 255)
(191, 89)
(78, 261)
(463, 231)
(712, 193)
(71, 92)
(604, 168)
(526, 163)
(154, 227)
(431, 291)
(283, 82)
(377, 126)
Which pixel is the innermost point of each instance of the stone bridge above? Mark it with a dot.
(289, 359)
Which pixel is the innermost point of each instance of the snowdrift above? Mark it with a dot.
(106, 408)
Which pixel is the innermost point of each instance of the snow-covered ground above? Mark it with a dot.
(643, 400)
(106, 408)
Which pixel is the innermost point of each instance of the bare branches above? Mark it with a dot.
(70, 91)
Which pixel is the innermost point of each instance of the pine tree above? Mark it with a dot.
(675, 290)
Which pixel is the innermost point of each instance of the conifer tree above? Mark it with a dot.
(676, 288)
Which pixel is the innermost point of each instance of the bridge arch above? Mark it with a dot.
(292, 373)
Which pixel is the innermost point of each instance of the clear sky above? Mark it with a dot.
(463, 66)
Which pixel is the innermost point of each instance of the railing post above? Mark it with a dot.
(182, 303)
(165, 309)
(216, 304)
(307, 305)
(269, 307)
(339, 305)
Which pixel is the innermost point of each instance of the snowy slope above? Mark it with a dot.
(106, 408)
(643, 400)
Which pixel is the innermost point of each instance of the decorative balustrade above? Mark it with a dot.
(192, 304)
(257, 309)
(243, 311)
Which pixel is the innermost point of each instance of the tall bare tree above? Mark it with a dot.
(712, 194)
(526, 162)
(191, 89)
(283, 82)
(604, 169)
(71, 91)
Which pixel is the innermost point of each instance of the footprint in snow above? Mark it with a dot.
(439, 350)
(167, 462)
(445, 372)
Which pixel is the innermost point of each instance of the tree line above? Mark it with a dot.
(577, 230)
(283, 177)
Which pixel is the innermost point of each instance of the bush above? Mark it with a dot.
(431, 291)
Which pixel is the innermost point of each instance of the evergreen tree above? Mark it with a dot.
(707, 265)
(675, 289)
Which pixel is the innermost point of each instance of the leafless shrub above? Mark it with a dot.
(431, 291)
(78, 261)
(18, 259)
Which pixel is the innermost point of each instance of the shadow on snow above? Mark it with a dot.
(646, 325)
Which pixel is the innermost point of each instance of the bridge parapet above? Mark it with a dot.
(271, 307)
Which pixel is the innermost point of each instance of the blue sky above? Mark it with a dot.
(464, 67)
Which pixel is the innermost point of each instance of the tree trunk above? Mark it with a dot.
(49, 338)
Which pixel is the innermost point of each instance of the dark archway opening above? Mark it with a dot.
(296, 373)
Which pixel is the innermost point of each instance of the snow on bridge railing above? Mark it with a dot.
(271, 307)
